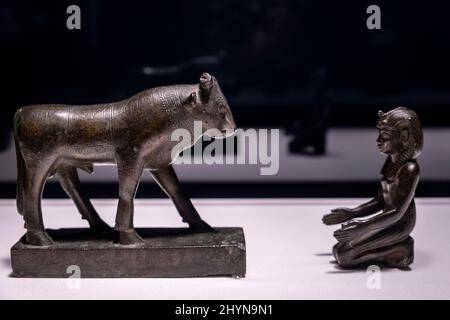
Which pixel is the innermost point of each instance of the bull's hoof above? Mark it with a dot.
(130, 237)
(39, 238)
(200, 227)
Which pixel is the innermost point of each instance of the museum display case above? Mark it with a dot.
(219, 149)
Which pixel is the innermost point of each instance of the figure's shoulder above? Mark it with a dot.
(410, 168)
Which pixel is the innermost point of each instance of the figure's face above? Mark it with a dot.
(391, 141)
(399, 132)
(386, 141)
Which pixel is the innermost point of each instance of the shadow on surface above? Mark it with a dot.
(6, 262)
(422, 259)
(362, 269)
(325, 254)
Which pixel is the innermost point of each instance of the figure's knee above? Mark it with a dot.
(344, 255)
(336, 249)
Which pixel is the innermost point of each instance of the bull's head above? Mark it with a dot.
(209, 105)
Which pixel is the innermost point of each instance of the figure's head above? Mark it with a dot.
(400, 131)
(210, 106)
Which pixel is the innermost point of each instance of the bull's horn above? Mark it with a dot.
(206, 83)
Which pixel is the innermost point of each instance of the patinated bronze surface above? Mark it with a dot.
(134, 134)
(385, 237)
(173, 252)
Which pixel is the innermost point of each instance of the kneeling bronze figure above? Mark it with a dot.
(384, 238)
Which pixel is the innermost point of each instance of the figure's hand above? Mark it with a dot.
(350, 232)
(351, 223)
(338, 215)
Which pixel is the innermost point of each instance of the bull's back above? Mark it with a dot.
(93, 133)
(51, 126)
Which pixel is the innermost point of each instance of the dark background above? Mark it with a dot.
(276, 60)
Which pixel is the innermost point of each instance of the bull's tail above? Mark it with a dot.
(21, 168)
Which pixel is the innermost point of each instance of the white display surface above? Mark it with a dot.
(288, 254)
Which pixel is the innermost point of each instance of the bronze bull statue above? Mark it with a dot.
(134, 134)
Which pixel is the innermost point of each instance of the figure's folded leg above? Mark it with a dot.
(399, 255)
(402, 255)
(344, 255)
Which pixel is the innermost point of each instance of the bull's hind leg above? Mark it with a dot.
(129, 176)
(36, 174)
(68, 177)
(168, 181)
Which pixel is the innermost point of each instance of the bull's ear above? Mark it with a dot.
(206, 83)
(191, 100)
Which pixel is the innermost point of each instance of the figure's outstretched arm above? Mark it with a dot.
(370, 207)
(341, 215)
(407, 180)
(408, 177)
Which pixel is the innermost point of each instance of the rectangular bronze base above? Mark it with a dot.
(165, 253)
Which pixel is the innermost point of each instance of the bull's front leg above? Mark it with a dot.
(129, 172)
(168, 181)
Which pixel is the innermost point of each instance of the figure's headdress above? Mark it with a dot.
(400, 119)
(397, 120)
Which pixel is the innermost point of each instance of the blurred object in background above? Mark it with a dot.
(259, 42)
(310, 132)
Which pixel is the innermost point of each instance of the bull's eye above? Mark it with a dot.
(222, 109)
